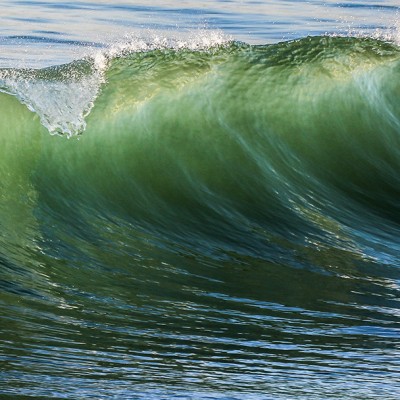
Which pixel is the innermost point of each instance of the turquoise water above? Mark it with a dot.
(199, 200)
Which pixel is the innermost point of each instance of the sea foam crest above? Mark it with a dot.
(63, 96)
(200, 39)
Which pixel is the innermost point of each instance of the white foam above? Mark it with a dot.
(61, 105)
(199, 39)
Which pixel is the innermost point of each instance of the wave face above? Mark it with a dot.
(221, 221)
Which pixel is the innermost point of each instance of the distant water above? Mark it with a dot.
(200, 200)
(43, 32)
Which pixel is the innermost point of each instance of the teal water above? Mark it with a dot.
(188, 214)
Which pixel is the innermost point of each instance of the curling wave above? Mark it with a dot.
(238, 145)
(215, 212)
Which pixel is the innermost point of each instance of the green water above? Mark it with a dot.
(220, 222)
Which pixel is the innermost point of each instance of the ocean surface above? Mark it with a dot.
(200, 200)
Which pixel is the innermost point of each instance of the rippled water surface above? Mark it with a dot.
(48, 32)
(199, 200)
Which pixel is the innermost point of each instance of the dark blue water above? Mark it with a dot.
(199, 200)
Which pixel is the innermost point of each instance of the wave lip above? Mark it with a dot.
(61, 96)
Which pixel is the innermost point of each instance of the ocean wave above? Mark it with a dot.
(261, 149)
(208, 220)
